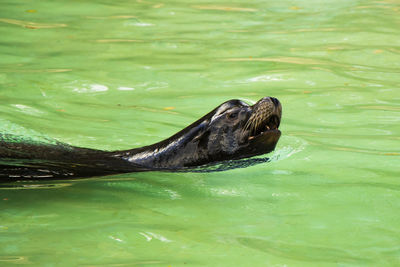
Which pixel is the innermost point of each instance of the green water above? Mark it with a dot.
(123, 74)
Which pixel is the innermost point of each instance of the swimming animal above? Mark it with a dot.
(233, 130)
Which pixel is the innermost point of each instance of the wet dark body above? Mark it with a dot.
(233, 130)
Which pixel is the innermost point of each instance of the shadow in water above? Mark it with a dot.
(227, 165)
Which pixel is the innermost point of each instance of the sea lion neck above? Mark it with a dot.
(177, 151)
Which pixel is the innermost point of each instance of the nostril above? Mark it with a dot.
(275, 101)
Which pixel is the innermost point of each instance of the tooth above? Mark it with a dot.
(267, 127)
(251, 137)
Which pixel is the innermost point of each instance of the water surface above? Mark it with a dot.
(123, 74)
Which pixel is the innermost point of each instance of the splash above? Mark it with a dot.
(294, 145)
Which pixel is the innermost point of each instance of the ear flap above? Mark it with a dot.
(203, 139)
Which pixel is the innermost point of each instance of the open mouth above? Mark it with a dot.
(269, 125)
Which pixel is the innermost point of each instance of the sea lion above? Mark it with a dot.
(233, 130)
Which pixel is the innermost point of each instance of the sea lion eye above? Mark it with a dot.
(232, 115)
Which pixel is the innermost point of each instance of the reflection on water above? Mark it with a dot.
(15, 259)
(117, 75)
(31, 25)
(32, 185)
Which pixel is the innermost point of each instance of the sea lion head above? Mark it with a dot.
(233, 130)
(237, 130)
